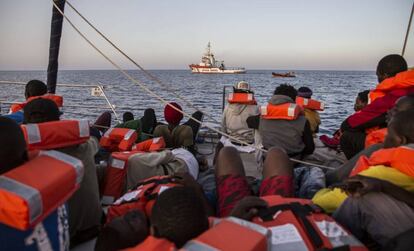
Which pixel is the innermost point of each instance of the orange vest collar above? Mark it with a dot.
(401, 80)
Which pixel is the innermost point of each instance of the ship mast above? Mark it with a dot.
(55, 34)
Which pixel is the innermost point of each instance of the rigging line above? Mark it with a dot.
(149, 75)
(165, 101)
(408, 31)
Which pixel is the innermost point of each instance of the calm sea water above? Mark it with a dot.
(337, 89)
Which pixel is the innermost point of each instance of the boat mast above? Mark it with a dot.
(55, 34)
(408, 31)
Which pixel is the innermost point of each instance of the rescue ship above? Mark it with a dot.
(210, 65)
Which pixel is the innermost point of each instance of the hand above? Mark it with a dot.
(247, 208)
(360, 185)
(185, 179)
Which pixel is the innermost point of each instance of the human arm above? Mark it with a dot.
(360, 185)
(307, 138)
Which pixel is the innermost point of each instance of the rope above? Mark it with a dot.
(149, 75)
(165, 101)
(408, 31)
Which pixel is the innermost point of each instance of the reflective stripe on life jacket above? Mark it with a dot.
(296, 225)
(310, 103)
(140, 198)
(120, 139)
(55, 98)
(150, 145)
(376, 137)
(400, 81)
(55, 134)
(30, 192)
(241, 98)
(400, 158)
(231, 234)
(286, 111)
(152, 243)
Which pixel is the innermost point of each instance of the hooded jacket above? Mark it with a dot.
(290, 135)
(234, 121)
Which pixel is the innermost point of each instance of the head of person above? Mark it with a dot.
(361, 100)
(13, 151)
(402, 104)
(127, 116)
(35, 88)
(390, 65)
(171, 115)
(400, 129)
(305, 92)
(178, 215)
(149, 121)
(287, 90)
(40, 110)
(242, 87)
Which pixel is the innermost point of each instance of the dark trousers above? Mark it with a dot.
(352, 143)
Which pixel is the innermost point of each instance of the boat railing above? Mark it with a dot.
(96, 90)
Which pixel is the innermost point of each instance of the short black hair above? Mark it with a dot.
(13, 150)
(391, 65)
(305, 92)
(363, 96)
(287, 90)
(35, 88)
(127, 116)
(40, 110)
(403, 124)
(179, 215)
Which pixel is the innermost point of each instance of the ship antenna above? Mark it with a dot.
(208, 48)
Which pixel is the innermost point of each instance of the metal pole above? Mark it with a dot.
(109, 103)
(223, 102)
(408, 31)
(55, 34)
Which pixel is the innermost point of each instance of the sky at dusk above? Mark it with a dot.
(170, 34)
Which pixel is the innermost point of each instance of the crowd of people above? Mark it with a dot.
(142, 185)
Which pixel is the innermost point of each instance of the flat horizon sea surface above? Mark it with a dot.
(337, 89)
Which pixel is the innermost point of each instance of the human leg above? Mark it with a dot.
(277, 174)
(231, 181)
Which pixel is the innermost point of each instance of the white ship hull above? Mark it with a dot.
(215, 70)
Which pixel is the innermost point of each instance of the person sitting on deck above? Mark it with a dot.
(361, 100)
(395, 81)
(144, 126)
(393, 163)
(84, 206)
(33, 88)
(282, 124)
(50, 234)
(127, 116)
(241, 106)
(405, 103)
(311, 115)
(174, 134)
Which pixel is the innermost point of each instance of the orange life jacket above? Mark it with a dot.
(241, 98)
(150, 145)
(152, 243)
(55, 98)
(30, 192)
(376, 137)
(117, 168)
(286, 111)
(296, 225)
(310, 103)
(140, 198)
(55, 134)
(400, 158)
(118, 139)
(231, 234)
(400, 81)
